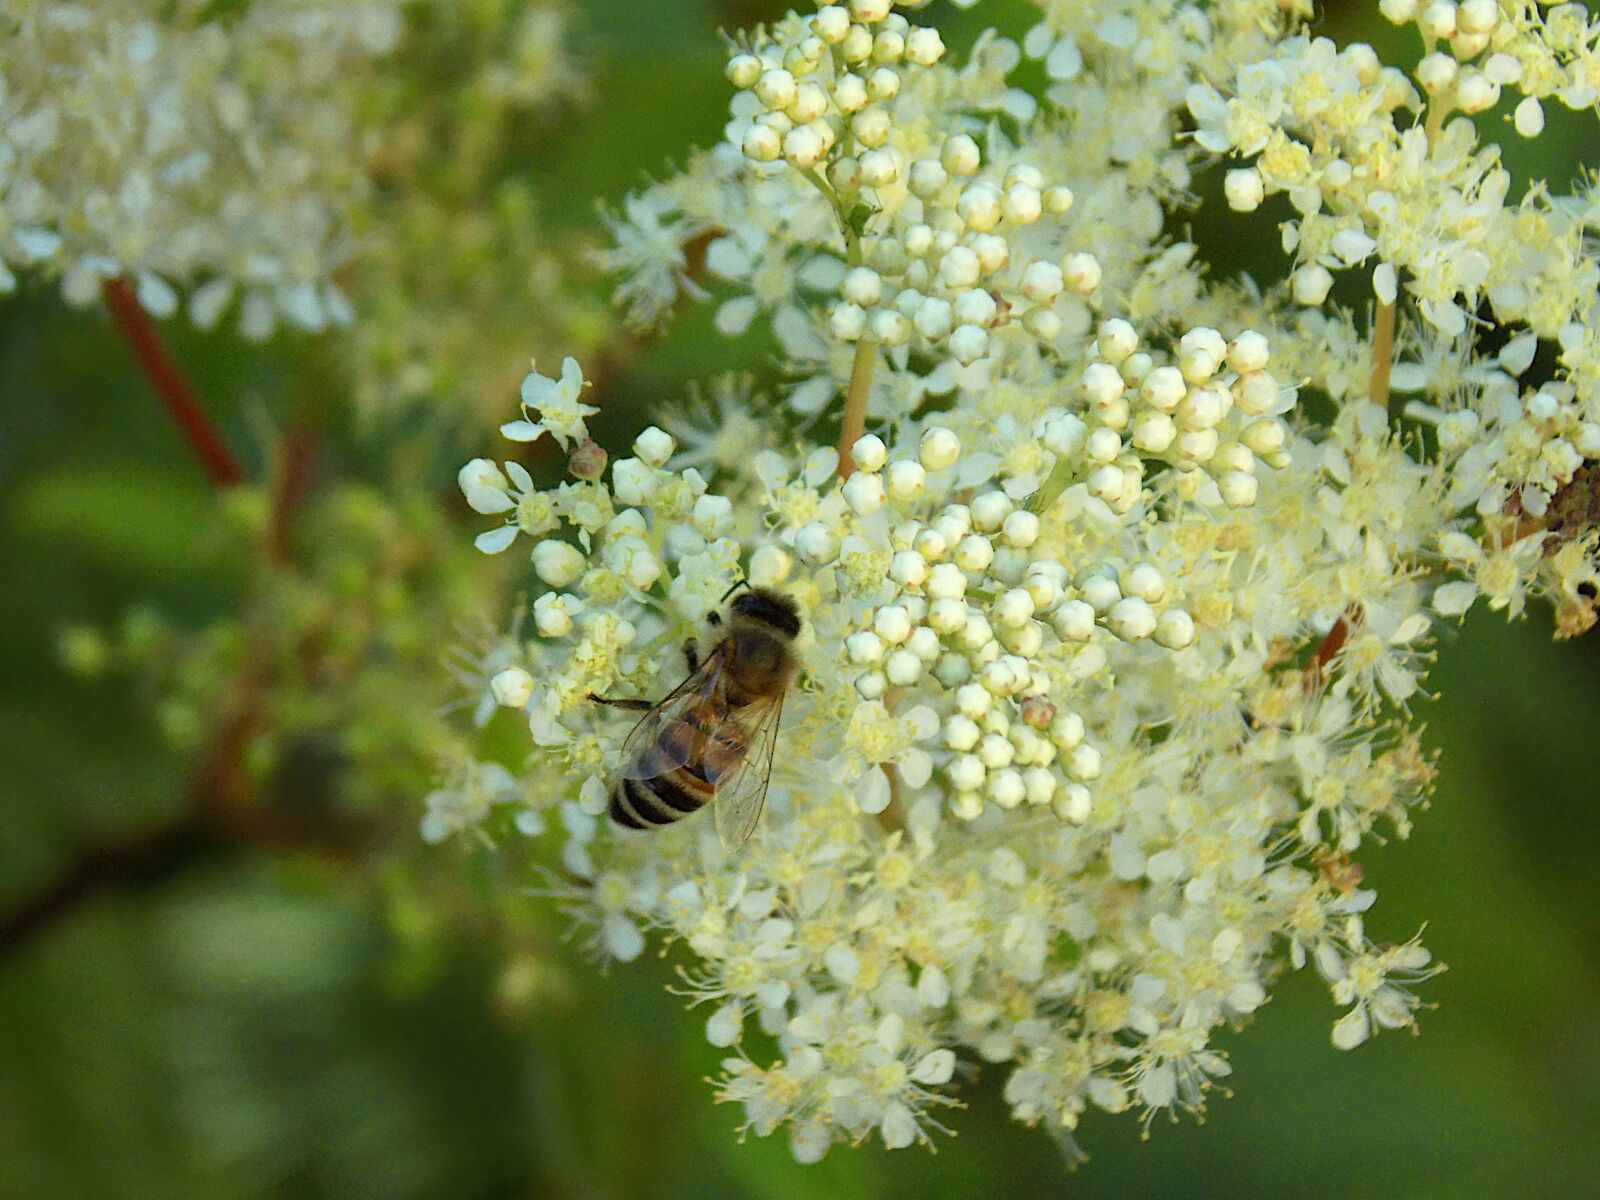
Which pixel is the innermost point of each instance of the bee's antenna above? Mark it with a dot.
(737, 584)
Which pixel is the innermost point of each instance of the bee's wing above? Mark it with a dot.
(645, 754)
(741, 796)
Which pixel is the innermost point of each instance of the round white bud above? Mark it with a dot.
(1101, 383)
(892, 622)
(1248, 352)
(1198, 444)
(776, 89)
(890, 327)
(1103, 446)
(869, 453)
(1101, 592)
(1118, 339)
(1057, 200)
(816, 543)
(870, 12)
(1131, 619)
(743, 70)
(1144, 581)
(861, 285)
(1040, 784)
(1042, 323)
(1238, 489)
(1200, 352)
(927, 177)
(871, 685)
(809, 103)
(831, 23)
(1174, 629)
(976, 307)
(864, 647)
(848, 321)
(1084, 762)
(905, 479)
(1042, 281)
(924, 643)
(1244, 189)
(1474, 93)
(960, 155)
(1438, 20)
(979, 206)
(1073, 804)
(803, 147)
(1023, 204)
(879, 168)
(966, 772)
(934, 319)
(857, 45)
(762, 143)
(1154, 432)
(863, 492)
(947, 581)
(968, 344)
(1265, 436)
(883, 84)
(974, 553)
(1081, 272)
(924, 47)
(990, 510)
(903, 668)
(1163, 389)
(938, 448)
(1020, 529)
(947, 615)
(557, 563)
(850, 93)
(909, 569)
(1436, 72)
(959, 268)
(961, 733)
(871, 126)
(993, 252)
(1311, 284)
(512, 687)
(654, 446)
(1006, 788)
(1073, 621)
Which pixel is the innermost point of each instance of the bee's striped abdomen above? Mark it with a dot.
(691, 754)
(659, 800)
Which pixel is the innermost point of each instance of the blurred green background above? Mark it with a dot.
(241, 1025)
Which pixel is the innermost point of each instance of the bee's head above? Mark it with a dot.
(769, 607)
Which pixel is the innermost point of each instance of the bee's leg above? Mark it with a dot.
(691, 655)
(635, 705)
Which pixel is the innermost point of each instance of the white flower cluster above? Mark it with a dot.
(219, 158)
(1108, 648)
(185, 152)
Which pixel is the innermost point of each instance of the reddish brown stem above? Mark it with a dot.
(181, 403)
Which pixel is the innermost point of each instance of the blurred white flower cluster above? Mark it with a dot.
(1108, 646)
(233, 157)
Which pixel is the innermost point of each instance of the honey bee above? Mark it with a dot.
(712, 737)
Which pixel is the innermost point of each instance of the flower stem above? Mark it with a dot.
(178, 397)
(1382, 354)
(855, 403)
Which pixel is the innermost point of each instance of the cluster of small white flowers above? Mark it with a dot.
(1108, 648)
(219, 159)
(184, 152)
(1427, 198)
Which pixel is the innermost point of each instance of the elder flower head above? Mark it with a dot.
(1108, 645)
